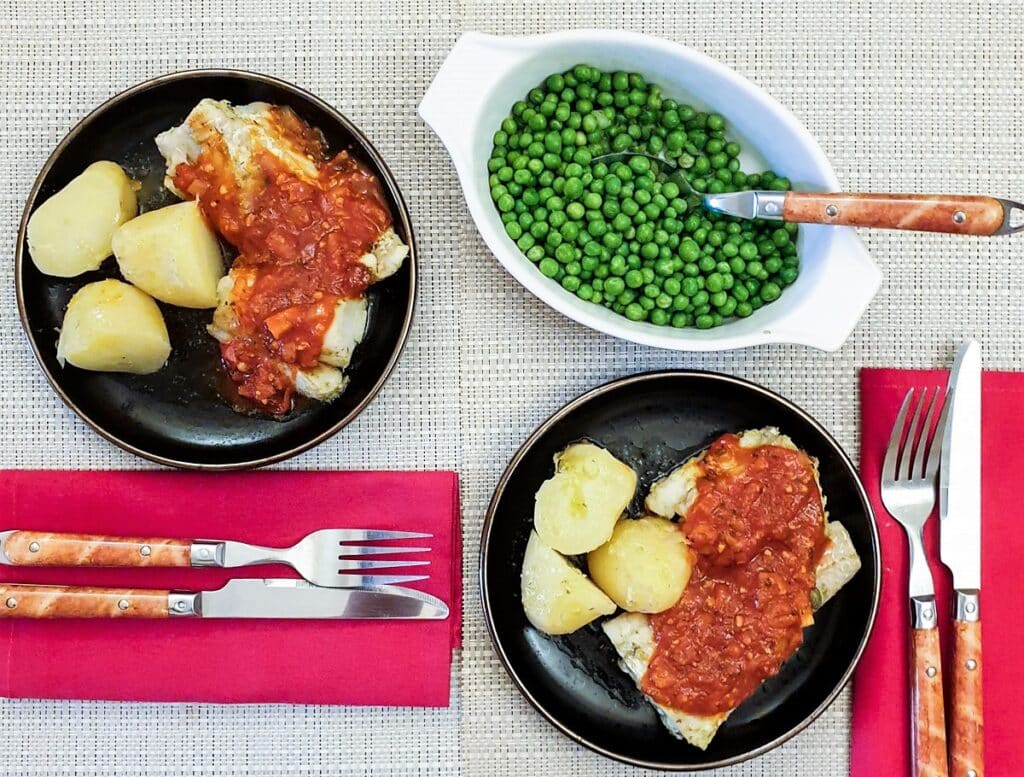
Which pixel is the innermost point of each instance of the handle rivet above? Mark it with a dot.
(12, 603)
(771, 208)
(970, 607)
(145, 550)
(831, 211)
(971, 664)
(927, 613)
(180, 605)
(972, 773)
(33, 547)
(123, 604)
(959, 217)
(931, 671)
(204, 553)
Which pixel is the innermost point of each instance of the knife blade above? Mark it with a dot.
(277, 598)
(960, 472)
(960, 550)
(242, 598)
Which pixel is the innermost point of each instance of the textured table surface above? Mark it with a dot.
(920, 95)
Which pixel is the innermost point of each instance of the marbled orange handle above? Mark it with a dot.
(966, 745)
(958, 214)
(18, 600)
(30, 548)
(928, 721)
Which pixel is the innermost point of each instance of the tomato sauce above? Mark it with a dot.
(757, 533)
(299, 240)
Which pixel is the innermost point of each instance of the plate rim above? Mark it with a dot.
(388, 179)
(513, 465)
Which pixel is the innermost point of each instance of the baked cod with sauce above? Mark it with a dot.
(313, 232)
(753, 513)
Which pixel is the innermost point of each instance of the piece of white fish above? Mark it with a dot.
(631, 633)
(243, 132)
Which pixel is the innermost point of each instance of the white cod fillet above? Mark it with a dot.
(242, 132)
(631, 633)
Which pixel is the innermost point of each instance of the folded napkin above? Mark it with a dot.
(399, 663)
(881, 704)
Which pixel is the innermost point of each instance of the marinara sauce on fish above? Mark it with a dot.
(299, 242)
(757, 533)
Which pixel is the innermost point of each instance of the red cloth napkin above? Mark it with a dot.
(881, 715)
(317, 662)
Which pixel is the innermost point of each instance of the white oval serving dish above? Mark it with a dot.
(484, 74)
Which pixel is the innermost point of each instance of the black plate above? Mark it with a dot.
(178, 416)
(655, 422)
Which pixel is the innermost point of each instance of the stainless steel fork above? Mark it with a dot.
(326, 558)
(909, 478)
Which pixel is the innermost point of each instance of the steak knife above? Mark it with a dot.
(960, 550)
(242, 598)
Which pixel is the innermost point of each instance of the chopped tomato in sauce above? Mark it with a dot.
(757, 533)
(299, 244)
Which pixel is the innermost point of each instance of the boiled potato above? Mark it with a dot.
(113, 327)
(171, 254)
(576, 509)
(70, 233)
(644, 567)
(557, 597)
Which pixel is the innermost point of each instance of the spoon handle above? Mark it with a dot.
(959, 214)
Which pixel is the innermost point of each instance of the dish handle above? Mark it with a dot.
(451, 105)
(849, 282)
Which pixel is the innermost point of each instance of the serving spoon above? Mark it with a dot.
(956, 214)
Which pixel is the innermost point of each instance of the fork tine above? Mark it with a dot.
(360, 581)
(926, 441)
(915, 437)
(935, 454)
(374, 550)
(892, 453)
(367, 535)
(353, 564)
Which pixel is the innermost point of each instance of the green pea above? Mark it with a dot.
(549, 267)
(659, 317)
(770, 291)
(635, 312)
(573, 188)
(634, 279)
(614, 286)
(663, 267)
(689, 250)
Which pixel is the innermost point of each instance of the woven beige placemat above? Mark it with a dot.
(920, 95)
